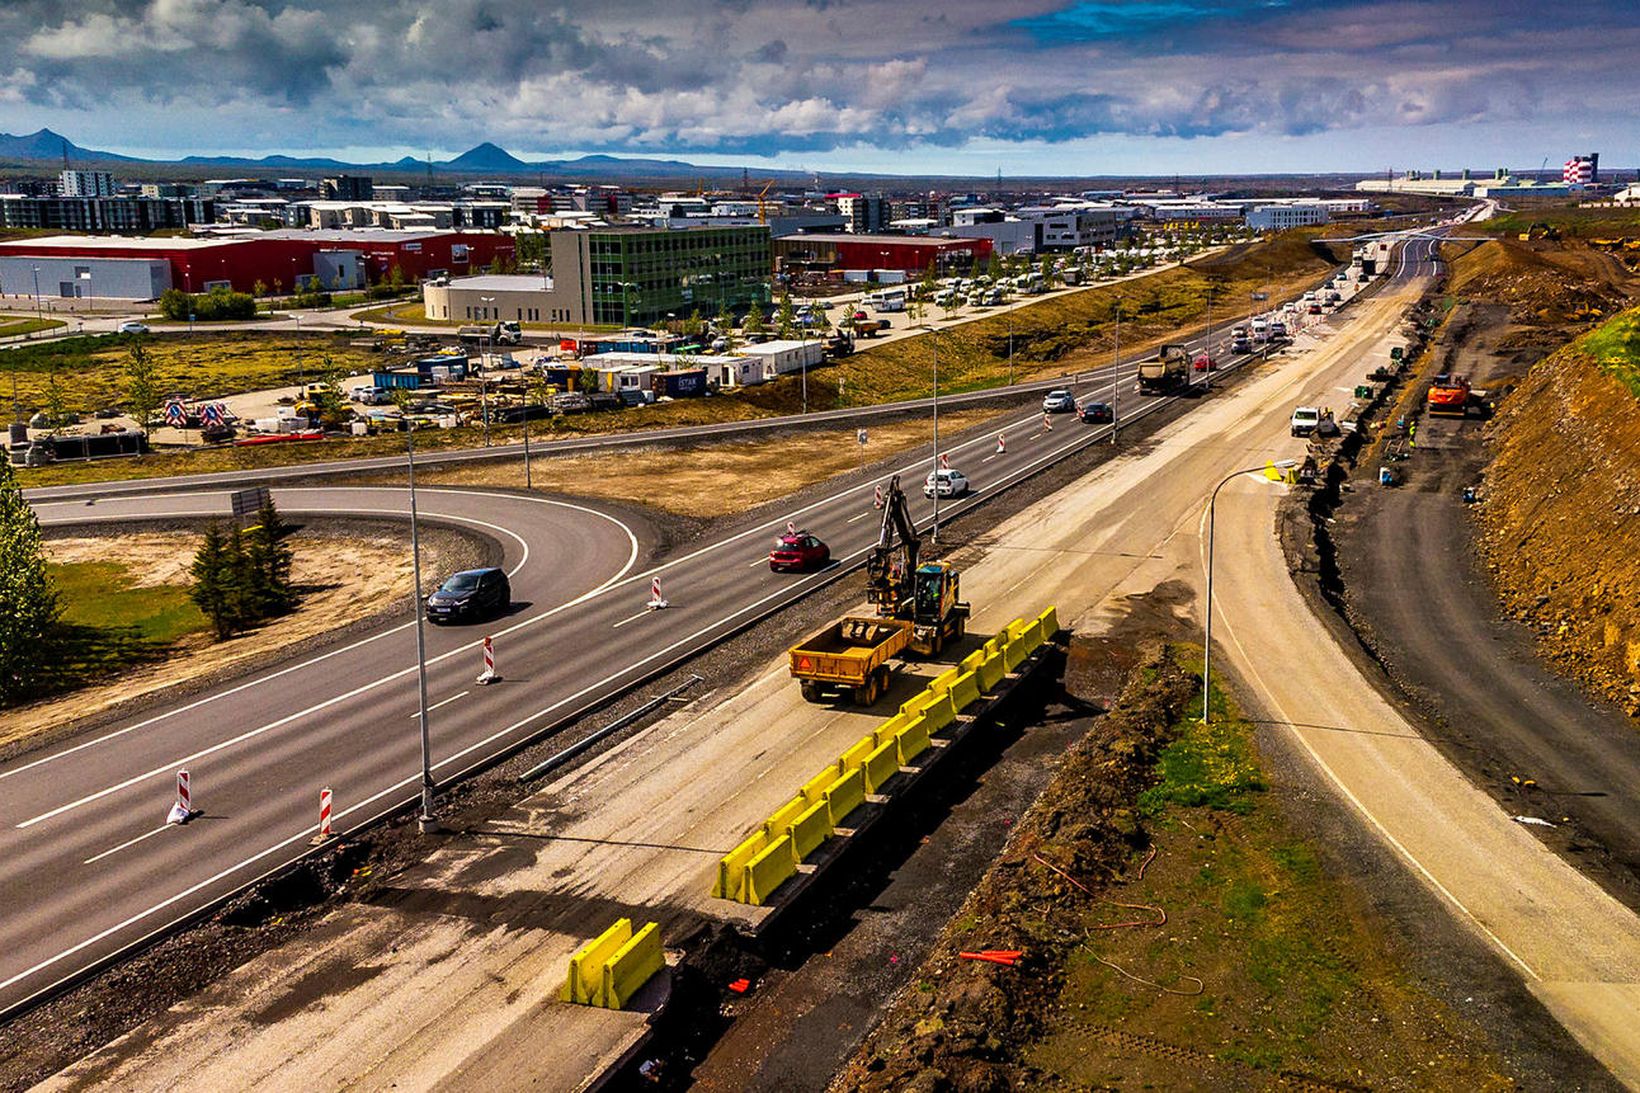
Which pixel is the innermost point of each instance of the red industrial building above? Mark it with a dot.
(276, 258)
(911, 253)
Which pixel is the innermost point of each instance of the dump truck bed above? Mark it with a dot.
(849, 650)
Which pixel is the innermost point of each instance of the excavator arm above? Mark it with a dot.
(891, 566)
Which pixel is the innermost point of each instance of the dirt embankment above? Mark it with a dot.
(1562, 519)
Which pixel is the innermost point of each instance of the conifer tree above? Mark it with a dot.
(209, 592)
(28, 603)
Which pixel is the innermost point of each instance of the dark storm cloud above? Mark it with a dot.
(740, 76)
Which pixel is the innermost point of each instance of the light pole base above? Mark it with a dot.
(428, 825)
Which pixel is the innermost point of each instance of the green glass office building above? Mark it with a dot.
(636, 276)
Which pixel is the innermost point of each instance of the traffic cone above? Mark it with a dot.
(656, 600)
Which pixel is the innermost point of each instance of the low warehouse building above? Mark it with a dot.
(909, 253)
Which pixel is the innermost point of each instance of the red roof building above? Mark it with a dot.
(911, 253)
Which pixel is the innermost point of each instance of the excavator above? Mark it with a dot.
(919, 608)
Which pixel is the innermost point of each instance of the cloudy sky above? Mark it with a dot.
(966, 86)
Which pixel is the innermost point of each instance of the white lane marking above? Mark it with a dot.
(631, 560)
(760, 561)
(367, 802)
(988, 458)
(852, 519)
(634, 618)
(170, 767)
(126, 843)
(444, 702)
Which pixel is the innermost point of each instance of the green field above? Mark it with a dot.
(108, 625)
(1615, 347)
(1570, 221)
(13, 325)
(90, 371)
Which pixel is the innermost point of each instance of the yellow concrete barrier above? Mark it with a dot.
(965, 690)
(881, 765)
(846, 794)
(973, 660)
(992, 670)
(939, 711)
(942, 682)
(888, 728)
(815, 788)
(775, 826)
(631, 966)
(1050, 622)
(766, 872)
(913, 740)
(731, 878)
(809, 830)
(856, 754)
(586, 967)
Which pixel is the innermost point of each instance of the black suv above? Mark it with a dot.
(470, 594)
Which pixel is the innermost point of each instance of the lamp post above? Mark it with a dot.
(1116, 377)
(427, 822)
(484, 368)
(38, 313)
(934, 344)
(1207, 638)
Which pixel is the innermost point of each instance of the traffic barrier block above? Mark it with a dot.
(846, 794)
(731, 878)
(939, 711)
(809, 830)
(856, 755)
(775, 826)
(893, 725)
(586, 975)
(943, 681)
(913, 740)
(992, 671)
(632, 966)
(881, 765)
(973, 660)
(815, 788)
(965, 690)
(766, 872)
(1050, 622)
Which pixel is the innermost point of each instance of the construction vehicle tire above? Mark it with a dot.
(811, 690)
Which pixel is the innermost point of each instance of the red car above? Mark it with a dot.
(1204, 363)
(798, 550)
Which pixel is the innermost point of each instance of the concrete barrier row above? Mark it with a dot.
(770, 855)
(608, 970)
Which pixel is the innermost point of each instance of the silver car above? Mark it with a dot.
(1059, 402)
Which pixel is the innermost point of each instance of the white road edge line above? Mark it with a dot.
(126, 843)
(641, 614)
(442, 702)
(632, 560)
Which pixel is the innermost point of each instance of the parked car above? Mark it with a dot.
(1058, 401)
(133, 327)
(946, 482)
(798, 550)
(470, 594)
(1304, 420)
(1098, 413)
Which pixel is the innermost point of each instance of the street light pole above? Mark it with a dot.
(1207, 637)
(427, 822)
(1116, 378)
(39, 314)
(934, 343)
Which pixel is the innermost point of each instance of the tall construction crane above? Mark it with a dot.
(762, 204)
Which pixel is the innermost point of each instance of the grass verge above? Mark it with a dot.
(12, 326)
(1615, 347)
(1177, 933)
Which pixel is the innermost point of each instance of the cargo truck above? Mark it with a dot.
(919, 610)
(1169, 371)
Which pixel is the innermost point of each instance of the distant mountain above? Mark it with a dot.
(48, 146)
(487, 158)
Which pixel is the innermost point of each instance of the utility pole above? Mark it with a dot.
(427, 822)
(1116, 378)
(934, 342)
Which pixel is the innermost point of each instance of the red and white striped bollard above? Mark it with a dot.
(183, 809)
(656, 600)
(325, 834)
(488, 675)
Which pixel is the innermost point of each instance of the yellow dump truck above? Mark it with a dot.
(851, 655)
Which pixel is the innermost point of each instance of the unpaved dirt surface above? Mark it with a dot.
(344, 577)
(1152, 960)
(713, 479)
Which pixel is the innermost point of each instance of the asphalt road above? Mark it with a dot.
(86, 866)
(443, 979)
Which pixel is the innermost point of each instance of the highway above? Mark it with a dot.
(86, 865)
(444, 979)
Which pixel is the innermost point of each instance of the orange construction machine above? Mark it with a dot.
(1449, 395)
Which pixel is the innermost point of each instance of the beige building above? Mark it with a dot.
(524, 298)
